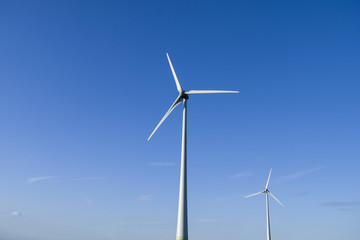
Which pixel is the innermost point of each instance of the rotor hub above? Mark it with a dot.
(184, 95)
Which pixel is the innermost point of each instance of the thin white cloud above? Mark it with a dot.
(240, 175)
(144, 198)
(299, 174)
(15, 213)
(162, 164)
(56, 179)
(37, 179)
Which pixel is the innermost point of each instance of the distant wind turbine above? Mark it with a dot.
(182, 223)
(267, 204)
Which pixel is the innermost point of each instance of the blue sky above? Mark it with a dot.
(84, 83)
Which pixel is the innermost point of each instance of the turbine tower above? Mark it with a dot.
(267, 204)
(182, 222)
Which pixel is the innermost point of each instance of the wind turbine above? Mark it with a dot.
(267, 204)
(182, 223)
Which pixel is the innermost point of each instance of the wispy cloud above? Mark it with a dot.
(15, 213)
(57, 179)
(240, 175)
(162, 164)
(144, 198)
(341, 204)
(37, 179)
(299, 174)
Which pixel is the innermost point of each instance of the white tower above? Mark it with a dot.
(268, 235)
(182, 222)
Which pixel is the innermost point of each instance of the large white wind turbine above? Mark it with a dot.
(182, 223)
(267, 204)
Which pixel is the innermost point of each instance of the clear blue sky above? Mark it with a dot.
(84, 83)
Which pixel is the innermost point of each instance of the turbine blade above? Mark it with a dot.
(209, 91)
(178, 86)
(267, 183)
(177, 102)
(275, 198)
(254, 194)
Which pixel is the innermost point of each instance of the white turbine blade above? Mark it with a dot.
(177, 102)
(178, 86)
(267, 183)
(254, 194)
(209, 91)
(275, 198)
